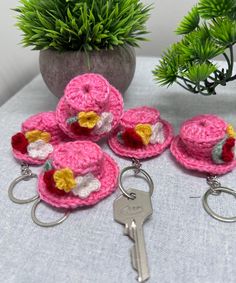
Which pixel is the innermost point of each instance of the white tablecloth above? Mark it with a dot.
(184, 244)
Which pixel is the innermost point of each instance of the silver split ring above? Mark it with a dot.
(210, 211)
(26, 177)
(143, 172)
(44, 224)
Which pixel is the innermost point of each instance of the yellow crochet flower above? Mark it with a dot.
(64, 179)
(33, 136)
(145, 132)
(88, 119)
(230, 131)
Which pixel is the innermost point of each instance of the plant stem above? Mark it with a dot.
(184, 79)
(187, 88)
(230, 71)
(227, 59)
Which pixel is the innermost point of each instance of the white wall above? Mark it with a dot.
(162, 24)
(18, 65)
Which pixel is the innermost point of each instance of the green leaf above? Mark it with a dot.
(215, 8)
(224, 31)
(200, 72)
(189, 23)
(167, 71)
(201, 51)
(81, 25)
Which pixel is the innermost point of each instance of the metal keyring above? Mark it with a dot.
(44, 224)
(137, 171)
(210, 211)
(26, 177)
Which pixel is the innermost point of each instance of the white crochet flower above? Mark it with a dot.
(86, 185)
(39, 149)
(104, 125)
(157, 134)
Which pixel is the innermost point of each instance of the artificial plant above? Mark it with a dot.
(208, 30)
(84, 25)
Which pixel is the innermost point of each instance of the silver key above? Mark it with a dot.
(133, 213)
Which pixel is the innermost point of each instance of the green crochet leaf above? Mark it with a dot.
(71, 120)
(189, 23)
(48, 165)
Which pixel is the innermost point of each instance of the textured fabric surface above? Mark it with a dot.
(183, 243)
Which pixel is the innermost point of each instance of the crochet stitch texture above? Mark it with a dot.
(130, 120)
(193, 147)
(89, 93)
(83, 158)
(45, 122)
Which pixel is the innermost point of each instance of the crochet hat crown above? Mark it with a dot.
(200, 134)
(77, 174)
(141, 115)
(81, 157)
(206, 143)
(88, 92)
(90, 108)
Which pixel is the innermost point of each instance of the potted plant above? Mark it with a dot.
(76, 37)
(208, 30)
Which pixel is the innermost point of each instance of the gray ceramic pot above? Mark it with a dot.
(58, 68)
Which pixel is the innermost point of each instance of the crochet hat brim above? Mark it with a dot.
(179, 151)
(115, 106)
(26, 158)
(108, 186)
(145, 151)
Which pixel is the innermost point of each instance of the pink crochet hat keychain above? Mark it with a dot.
(77, 174)
(141, 134)
(90, 108)
(206, 143)
(32, 146)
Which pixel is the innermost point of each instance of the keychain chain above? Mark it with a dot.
(25, 170)
(214, 184)
(136, 163)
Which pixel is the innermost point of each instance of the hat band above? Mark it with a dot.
(64, 181)
(142, 135)
(91, 122)
(221, 152)
(34, 143)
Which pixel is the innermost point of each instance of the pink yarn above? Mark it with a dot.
(141, 115)
(193, 147)
(89, 92)
(44, 121)
(81, 157)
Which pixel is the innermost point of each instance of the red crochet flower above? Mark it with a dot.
(19, 142)
(78, 130)
(227, 152)
(50, 183)
(131, 138)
